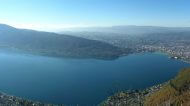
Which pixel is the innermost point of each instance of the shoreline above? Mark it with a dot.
(131, 97)
(174, 92)
(10, 100)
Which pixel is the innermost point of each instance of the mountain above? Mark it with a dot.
(130, 36)
(128, 30)
(57, 45)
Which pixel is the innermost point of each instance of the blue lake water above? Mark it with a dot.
(81, 81)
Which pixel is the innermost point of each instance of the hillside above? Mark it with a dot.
(171, 40)
(175, 92)
(57, 45)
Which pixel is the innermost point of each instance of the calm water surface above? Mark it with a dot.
(81, 81)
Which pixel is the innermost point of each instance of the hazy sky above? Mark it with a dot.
(57, 14)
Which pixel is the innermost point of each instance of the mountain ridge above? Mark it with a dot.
(58, 45)
(128, 29)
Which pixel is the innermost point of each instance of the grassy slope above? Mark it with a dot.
(175, 93)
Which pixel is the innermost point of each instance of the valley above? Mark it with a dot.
(87, 51)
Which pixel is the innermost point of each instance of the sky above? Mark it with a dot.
(60, 14)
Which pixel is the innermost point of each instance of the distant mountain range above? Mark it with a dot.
(134, 36)
(92, 42)
(128, 30)
(58, 45)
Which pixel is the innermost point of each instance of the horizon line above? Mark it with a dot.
(65, 27)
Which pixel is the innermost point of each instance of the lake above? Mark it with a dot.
(81, 81)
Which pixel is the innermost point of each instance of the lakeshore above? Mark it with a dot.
(174, 92)
(120, 74)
